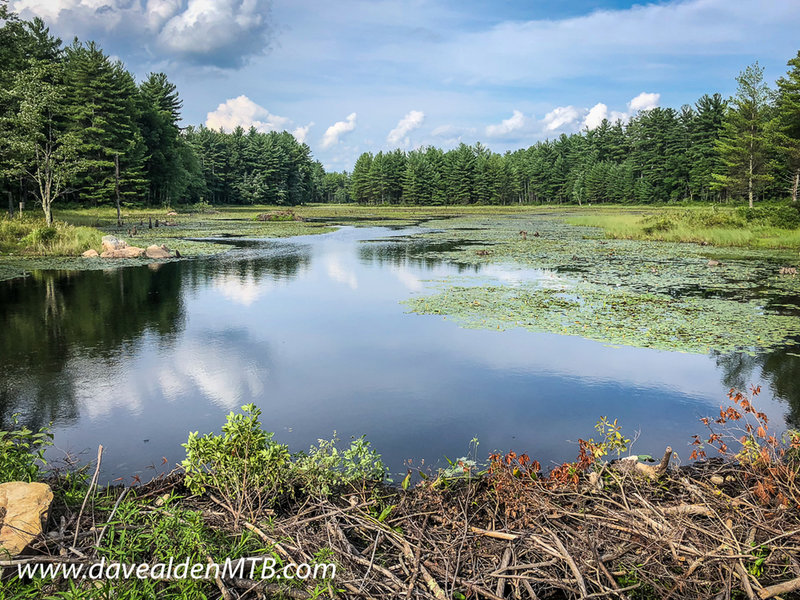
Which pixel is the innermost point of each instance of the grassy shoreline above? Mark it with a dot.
(775, 226)
(78, 229)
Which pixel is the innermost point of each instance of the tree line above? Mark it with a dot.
(76, 126)
(745, 147)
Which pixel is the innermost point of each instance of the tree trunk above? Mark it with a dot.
(116, 188)
(795, 185)
(750, 182)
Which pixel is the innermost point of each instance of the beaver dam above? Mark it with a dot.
(724, 527)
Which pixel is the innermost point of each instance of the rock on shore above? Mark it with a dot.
(23, 505)
(113, 247)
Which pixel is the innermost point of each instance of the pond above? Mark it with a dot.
(313, 331)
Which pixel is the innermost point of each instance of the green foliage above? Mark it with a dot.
(786, 216)
(654, 224)
(40, 236)
(33, 236)
(244, 465)
(22, 452)
(611, 442)
(744, 146)
(249, 471)
(326, 468)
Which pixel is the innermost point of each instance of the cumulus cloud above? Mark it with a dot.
(300, 133)
(243, 112)
(399, 135)
(222, 33)
(561, 116)
(644, 101)
(513, 123)
(335, 131)
(596, 114)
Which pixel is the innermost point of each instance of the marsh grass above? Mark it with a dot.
(767, 227)
(31, 236)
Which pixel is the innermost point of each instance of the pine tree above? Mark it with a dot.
(158, 122)
(743, 146)
(360, 181)
(103, 114)
(703, 157)
(787, 125)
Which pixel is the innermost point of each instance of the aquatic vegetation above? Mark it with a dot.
(638, 293)
(616, 317)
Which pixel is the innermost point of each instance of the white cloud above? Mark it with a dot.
(612, 42)
(243, 112)
(412, 121)
(595, 116)
(513, 123)
(213, 26)
(159, 12)
(217, 32)
(561, 116)
(644, 101)
(300, 133)
(335, 131)
(445, 131)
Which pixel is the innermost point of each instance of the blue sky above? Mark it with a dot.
(358, 75)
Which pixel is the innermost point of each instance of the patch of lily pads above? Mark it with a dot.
(671, 296)
(614, 316)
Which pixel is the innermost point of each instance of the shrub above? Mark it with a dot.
(653, 224)
(22, 452)
(785, 217)
(249, 471)
(40, 236)
(244, 465)
(325, 468)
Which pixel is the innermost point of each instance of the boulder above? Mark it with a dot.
(91, 253)
(157, 252)
(111, 243)
(22, 506)
(126, 252)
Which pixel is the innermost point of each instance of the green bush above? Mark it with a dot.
(654, 224)
(325, 468)
(244, 466)
(785, 217)
(248, 471)
(40, 236)
(712, 217)
(22, 452)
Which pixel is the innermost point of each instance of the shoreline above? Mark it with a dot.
(588, 528)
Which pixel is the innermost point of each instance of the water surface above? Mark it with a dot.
(311, 330)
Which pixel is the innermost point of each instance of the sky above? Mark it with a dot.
(352, 76)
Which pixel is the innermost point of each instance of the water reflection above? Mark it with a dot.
(57, 325)
(780, 370)
(311, 330)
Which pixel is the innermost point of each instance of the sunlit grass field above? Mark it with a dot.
(712, 226)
